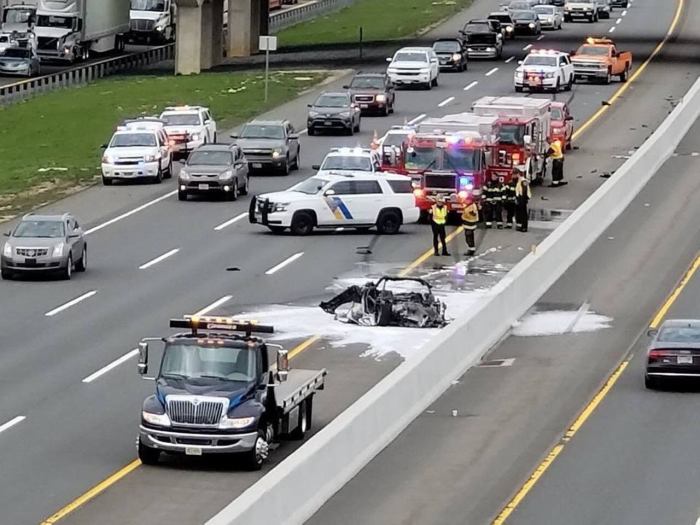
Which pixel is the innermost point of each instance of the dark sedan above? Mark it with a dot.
(373, 93)
(333, 111)
(674, 352)
(451, 53)
(526, 22)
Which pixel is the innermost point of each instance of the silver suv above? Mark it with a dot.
(44, 243)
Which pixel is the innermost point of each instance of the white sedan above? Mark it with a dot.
(550, 16)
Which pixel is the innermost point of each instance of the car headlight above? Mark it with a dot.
(7, 250)
(58, 250)
(161, 420)
(313, 114)
(195, 136)
(280, 206)
(532, 25)
(456, 57)
(236, 422)
(346, 114)
(106, 159)
(425, 70)
(276, 153)
(518, 74)
(509, 29)
(490, 49)
(549, 75)
(228, 174)
(151, 158)
(380, 98)
(184, 174)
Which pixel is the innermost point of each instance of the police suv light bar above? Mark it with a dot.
(229, 324)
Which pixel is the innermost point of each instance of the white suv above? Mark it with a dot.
(360, 201)
(339, 161)
(137, 151)
(188, 127)
(545, 69)
(414, 65)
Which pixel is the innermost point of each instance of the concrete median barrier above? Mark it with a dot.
(295, 489)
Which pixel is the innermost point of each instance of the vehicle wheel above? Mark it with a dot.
(557, 87)
(246, 186)
(107, 181)
(428, 85)
(625, 74)
(518, 89)
(159, 176)
(285, 167)
(233, 194)
(568, 145)
(6, 275)
(67, 272)
(148, 456)
(606, 16)
(389, 223)
(435, 82)
(570, 84)
(81, 265)
(297, 160)
(276, 229)
(304, 423)
(357, 128)
(215, 136)
(169, 173)
(608, 78)
(652, 383)
(566, 19)
(386, 111)
(302, 223)
(181, 195)
(311, 132)
(255, 458)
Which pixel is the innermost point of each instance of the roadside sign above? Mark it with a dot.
(268, 43)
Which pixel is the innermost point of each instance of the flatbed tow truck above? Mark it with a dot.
(217, 392)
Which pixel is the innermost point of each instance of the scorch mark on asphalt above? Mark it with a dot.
(214, 305)
(11, 423)
(288, 260)
(70, 303)
(158, 259)
(113, 364)
(230, 222)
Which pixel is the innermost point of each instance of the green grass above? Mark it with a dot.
(379, 19)
(51, 144)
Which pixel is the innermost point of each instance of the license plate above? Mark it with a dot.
(685, 359)
(364, 106)
(327, 123)
(203, 186)
(30, 262)
(534, 81)
(193, 451)
(257, 165)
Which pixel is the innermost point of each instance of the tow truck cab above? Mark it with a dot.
(392, 148)
(217, 392)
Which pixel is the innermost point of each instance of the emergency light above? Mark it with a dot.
(229, 324)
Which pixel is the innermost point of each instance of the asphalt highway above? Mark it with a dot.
(68, 434)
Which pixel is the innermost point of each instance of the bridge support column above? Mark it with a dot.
(217, 32)
(243, 27)
(188, 40)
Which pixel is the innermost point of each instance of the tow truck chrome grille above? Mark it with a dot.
(196, 410)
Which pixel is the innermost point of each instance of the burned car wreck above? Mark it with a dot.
(407, 302)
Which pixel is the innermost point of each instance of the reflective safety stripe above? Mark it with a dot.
(439, 215)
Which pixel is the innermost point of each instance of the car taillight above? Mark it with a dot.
(660, 353)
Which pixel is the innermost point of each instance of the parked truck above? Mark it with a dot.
(70, 30)
(599, 59)
(18, 16)
(217, 392)
(152, 21)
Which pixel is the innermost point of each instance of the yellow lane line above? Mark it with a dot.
(428, 254)
(674, 295)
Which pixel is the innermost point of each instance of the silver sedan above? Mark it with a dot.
(550, 17)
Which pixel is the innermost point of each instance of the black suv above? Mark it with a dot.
(372, 92)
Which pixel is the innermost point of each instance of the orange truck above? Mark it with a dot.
(599, 59)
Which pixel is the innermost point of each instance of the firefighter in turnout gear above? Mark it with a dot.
(556, 153)
(509, 199)
(493, 195)
(470, 219)
(522, 197)
(438, 222)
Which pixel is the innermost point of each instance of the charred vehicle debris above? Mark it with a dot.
(381, 304)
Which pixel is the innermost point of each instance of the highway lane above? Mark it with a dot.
(446, 469)
(632, 462)
(140, 311)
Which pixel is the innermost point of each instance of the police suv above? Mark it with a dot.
(188, 127)
(138, 149)
(544, 69)
(358, 200)
(349, 160)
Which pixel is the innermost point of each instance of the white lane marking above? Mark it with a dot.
(73, 302)
(623, 13)
(697, 522)
(158, 259)
(12, 422)
(303, 131)
(230, 222)
(113, 364)
(540, 37)
(130, 212)
(618, 20)
(445, 102)
(214, 305)
(288, 260)
(612, 29)
(527, 47)
(510, 59)
(470, 86)
(492, 72)
(419, 117)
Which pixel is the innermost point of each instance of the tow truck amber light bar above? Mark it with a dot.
(229, 324)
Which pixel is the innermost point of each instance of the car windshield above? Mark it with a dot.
(262, 131)
(538, 60)
(477, 28)
(523, 15)
(544, 10)
(596, 51)
(14, 52)
(503, 19)
(310, 186)
(557, 114)
(518, 5)
(340, 162)
(367, 83)
(394, 139)
(125, 140)
(18, 16)
(462, 160)
(410, 57)
(512, 134)
(148, 5)
(210, 158)
(64, 22)
(679, 334)
(204, 362)
(181, 119)
(43, 229)
(422, 158)
(332, 101)
(449, 46)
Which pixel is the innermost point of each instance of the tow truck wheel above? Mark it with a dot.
(255, 458)
(148, 456)
(304, 422)
(608, 78)
(625, 74)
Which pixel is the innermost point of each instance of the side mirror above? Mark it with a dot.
(527, 139)
(329, 192)
(143, 358)
(234, 135)
(104, 146)
(315, 166)
(282, 365)
(346, 87)
(569, 117)
(652, 332)
(7, 234)
(74, 235)
(389, 59)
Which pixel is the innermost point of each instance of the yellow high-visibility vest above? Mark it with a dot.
(470, 215)
(556, 147)
(439, 214)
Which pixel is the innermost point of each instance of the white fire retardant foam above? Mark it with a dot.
(559, 323)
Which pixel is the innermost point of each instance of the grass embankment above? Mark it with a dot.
(379, 19)
(50, 145)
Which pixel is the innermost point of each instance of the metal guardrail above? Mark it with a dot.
(81, 75)
(289, 17)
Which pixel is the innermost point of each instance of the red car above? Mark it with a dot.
(562, 124)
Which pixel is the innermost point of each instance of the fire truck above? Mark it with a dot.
(523, 132)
